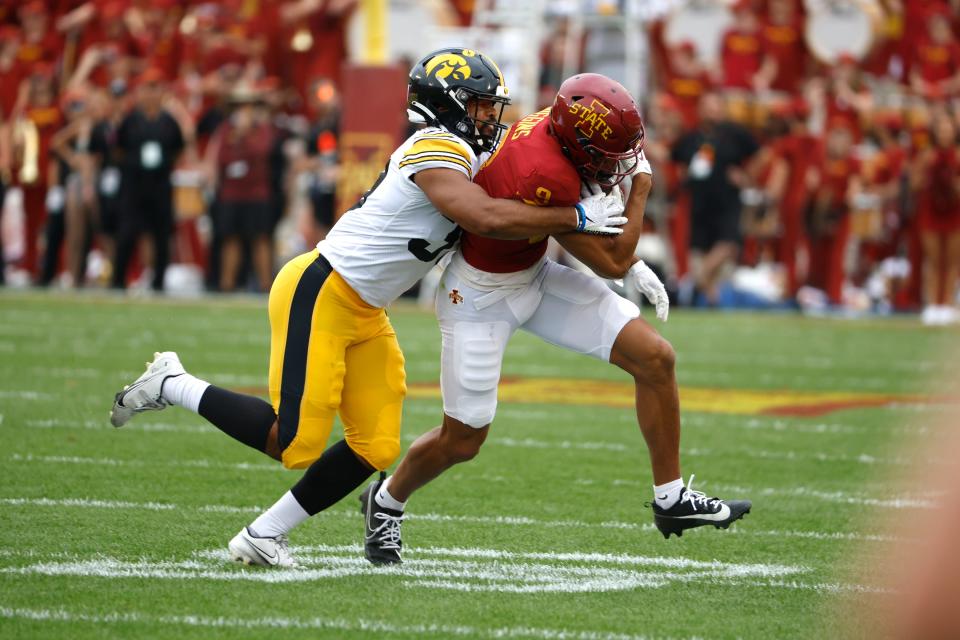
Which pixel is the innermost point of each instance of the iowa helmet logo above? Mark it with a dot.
(449, 64)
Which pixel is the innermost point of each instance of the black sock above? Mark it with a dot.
(338, 472)
(244, 418)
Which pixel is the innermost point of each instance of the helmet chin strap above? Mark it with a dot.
(420, 114)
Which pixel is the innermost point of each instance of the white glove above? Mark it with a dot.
(601, 214)
(642, 166)
(650, 286)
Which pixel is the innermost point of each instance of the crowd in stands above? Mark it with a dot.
(119, 119)
(824, 183)
(781, 178)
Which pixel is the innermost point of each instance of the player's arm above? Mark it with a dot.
(612, 257)
(468, 205)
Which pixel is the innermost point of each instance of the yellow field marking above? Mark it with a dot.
(708, 400)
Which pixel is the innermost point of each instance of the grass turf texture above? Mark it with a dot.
(122, 533)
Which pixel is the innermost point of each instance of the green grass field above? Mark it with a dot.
(122, 533)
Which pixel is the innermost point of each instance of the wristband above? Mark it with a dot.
(581, 216)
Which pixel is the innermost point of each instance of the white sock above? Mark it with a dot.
(184, 391)
(384, 499)
(284, 515)
(666, 495)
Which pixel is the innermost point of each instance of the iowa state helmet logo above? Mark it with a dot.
(592, 118)
(447, 64)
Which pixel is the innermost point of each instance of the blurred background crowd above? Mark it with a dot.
(804, 151)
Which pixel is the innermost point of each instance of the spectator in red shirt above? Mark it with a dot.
(936, 70)
(40, 43)
(687, 80)
(795, 154)
(782, 39)
(915, 15)
(845, 98)
(11, 70)
(313, 41)
(745, 63)
(238, 158)
(835, 181)
(936, 177)
(35, 122)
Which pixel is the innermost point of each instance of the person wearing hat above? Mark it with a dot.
(238, 163)
(149, 141)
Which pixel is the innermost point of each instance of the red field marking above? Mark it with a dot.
(771, 402)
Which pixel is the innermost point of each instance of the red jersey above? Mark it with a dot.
(530, 166)
(687, 91)
(785, 43)
(936, 62)
(800, 151)
(939, 199)
(244, 163)
(837, 173)
(742, 56)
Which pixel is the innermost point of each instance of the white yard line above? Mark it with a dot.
(252, 510)
(87, 503)
(25, 394)
(924, 501)
(112, 462)
(462, 569)
(459, 569)
(313, 623)
(104, 425)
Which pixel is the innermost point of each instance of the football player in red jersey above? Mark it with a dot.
(593, 135)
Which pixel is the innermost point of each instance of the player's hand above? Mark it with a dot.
(642, 166)
(601, 214)
(650, 286)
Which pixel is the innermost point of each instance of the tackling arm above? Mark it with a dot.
(468, 205)
(612, 257)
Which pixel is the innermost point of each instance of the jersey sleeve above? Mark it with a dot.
(437, 151)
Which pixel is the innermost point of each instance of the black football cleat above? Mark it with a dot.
(381, 528)
(695, 509)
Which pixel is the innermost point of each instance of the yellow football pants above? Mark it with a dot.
(331, 352)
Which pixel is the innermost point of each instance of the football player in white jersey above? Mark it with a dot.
(333, 349)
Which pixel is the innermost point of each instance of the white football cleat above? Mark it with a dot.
(144, 393)
(266, 552)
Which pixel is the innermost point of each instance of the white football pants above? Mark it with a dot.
(479, 311)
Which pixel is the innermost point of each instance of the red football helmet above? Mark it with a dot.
(598, 124)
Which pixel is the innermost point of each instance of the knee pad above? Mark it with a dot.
(379, 453)
(470, 389)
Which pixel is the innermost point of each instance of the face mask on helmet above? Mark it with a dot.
(607, 168)
(599, 127)
(481, 117)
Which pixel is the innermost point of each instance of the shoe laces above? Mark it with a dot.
(387, 533)
(698, 499)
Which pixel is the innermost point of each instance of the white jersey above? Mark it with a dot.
(396, 235)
